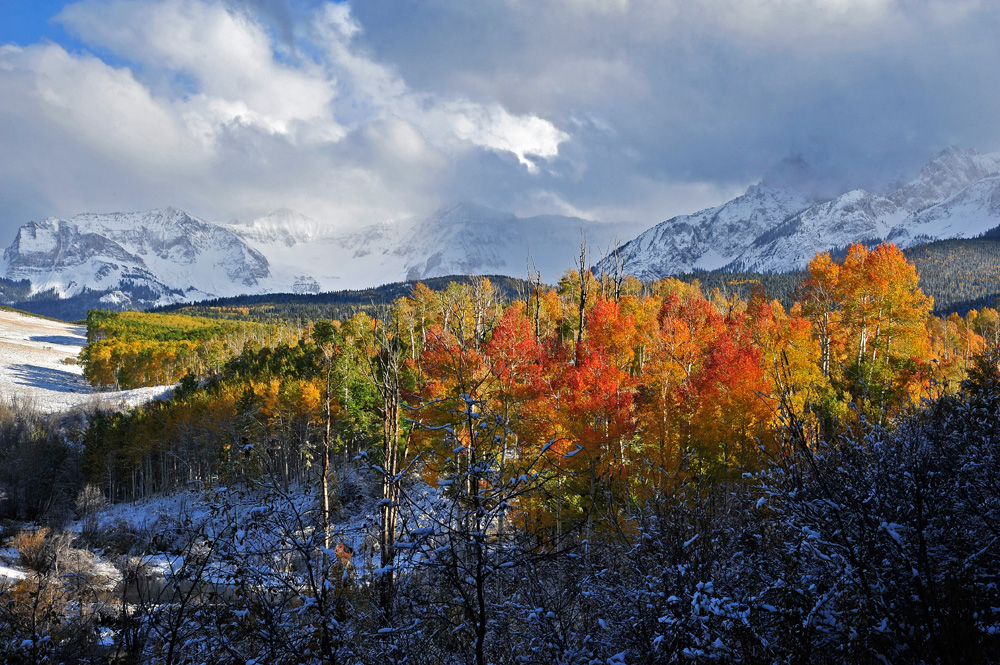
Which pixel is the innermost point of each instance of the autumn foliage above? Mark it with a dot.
(666, 384)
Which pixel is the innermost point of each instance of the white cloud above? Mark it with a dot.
(637, 109)
(210, 110)
(446, 122)
(229, 55)
(103, 107)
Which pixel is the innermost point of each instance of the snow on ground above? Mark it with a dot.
(8, 574)
(38, 363)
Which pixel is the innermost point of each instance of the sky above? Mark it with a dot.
(362, 112)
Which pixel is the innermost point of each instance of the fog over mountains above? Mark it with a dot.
(163, 256)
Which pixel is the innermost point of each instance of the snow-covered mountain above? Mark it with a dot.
(163, 256)
(282, 227)
(775, 226)
(972, 211)
(166, 255)
(712, 238)
(471, 239)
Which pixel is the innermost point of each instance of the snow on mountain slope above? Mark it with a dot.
(459, 239)
(141, 259)
(919, 211)
(307, 256)
(285, 227)
(855, 216)
(946, 174)
(711, 238)
(772, 229)
(462, 238)
(969, 213)
(162, 256)
(166, 253)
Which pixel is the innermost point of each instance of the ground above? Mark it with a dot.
(38, 363)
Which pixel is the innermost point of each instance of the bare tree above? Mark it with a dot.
(613, 268)
(582, 269)
(385, 371)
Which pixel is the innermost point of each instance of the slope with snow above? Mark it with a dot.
(852, 217)
(166, 255)
(463, 238)
(471, 239)
(971, 212)
(709, 239)
(774, 227)
(305, 255)
(38, 364)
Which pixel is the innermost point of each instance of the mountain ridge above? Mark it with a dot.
(956, 194)
(164, 256)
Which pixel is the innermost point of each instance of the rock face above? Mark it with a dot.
(158, 257)
(778, 225)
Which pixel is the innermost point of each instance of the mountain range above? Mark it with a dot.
(141, 259)
(778, 225)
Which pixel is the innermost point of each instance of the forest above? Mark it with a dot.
(601, 472)
(133, 349)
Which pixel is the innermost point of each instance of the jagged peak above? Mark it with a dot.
(954, 157)
(945, 174)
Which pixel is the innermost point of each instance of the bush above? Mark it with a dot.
(35, 553)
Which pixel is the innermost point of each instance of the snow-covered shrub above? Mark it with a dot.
(892, 534)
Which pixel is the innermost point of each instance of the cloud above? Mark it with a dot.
(354, 113)
(715, 91)
(102, 107)
(217, 110)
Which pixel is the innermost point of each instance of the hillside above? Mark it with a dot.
(38, 365)
(960, 274)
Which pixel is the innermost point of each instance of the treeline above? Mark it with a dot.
(134, 349)
(782, 286)
(300, 308)
(12, 290)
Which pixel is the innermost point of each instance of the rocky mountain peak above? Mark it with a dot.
(945, 174)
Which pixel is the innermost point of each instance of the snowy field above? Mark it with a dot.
(38, 364)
